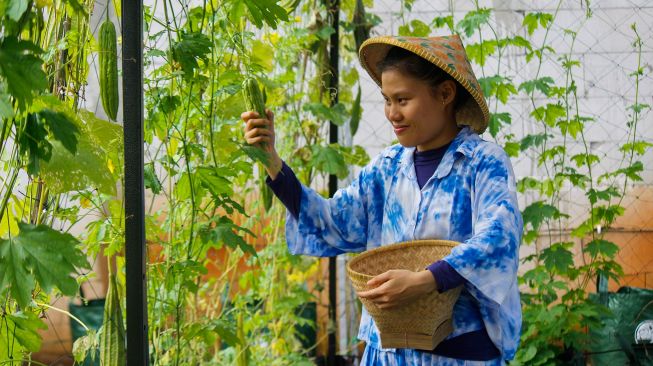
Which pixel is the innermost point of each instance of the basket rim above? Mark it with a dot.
(396, 246)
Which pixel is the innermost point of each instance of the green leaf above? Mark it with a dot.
(15, 8)
(25, 327)
(189, 49)
(498, 86)
(551, 154)
(151, 180)
(99, 150)
(558, 257)
(527, 354)
(498, 119)
(6, 110)
(77, 7)
(61, 128)
(533, 141)
(336, 114)
(538, 212)
(215, 183)
(638, 107)
(416, 28)
(354, 155)
(225, 232)
(473, 20)
(39, 255)
(511, 148)
(542, 84)
(519, 41)
(481, 52)
(356, 113)
(549, 113)
(572, 126)
(267, 11)
(532, 20)
(638, 147)
(85, 344)
(439, 22)
(226, 333)
(21, 67)
(595, 195)
(329, 160)
(601, 247)
(585, 159)
(33, 141)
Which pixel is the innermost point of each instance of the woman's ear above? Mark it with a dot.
(447, 91)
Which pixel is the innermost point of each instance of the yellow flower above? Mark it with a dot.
(273, 38)
(110, 166)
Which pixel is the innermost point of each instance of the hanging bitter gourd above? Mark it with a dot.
(112, 336)
(108, 69)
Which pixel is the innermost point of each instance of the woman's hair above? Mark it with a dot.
(411, 64)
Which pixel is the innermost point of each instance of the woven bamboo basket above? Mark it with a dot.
(421, 324)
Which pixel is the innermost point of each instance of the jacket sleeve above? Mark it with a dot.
(328, 227)
(489, 259)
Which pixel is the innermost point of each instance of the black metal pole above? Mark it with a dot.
(334, 56)
(132, 86)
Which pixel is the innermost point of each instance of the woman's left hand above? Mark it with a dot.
(398, 286)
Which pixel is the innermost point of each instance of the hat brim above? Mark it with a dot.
(473, 113)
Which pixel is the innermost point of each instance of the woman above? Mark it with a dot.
(442, 181)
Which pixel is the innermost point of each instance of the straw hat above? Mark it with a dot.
(448, 54)
(422, 323)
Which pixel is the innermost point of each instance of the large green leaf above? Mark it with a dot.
(25, 328)
(33, 141)
(19, 332)
(558, 257)
(538, 212)
(39, 255)
(267, 11)
(601, 246)
(14, 9)
(61, 128)
(329, 160)
(21, 67)
(189, 49)
(473, 20)
(98, 152)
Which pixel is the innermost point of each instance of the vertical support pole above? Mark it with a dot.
(132, 71)
(334, 56)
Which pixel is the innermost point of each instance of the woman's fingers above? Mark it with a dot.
(258, 134)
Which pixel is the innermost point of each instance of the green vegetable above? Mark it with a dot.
(112, 336)
(108, 69)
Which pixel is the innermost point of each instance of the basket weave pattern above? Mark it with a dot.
(420, 324)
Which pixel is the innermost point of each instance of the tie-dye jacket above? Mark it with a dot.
(471, 199)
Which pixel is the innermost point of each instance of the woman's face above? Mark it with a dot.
(420, 116)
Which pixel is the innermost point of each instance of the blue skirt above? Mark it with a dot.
(411, 357)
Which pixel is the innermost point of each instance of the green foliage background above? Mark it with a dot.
(62, 165)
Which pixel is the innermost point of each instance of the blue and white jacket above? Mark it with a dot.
(471, 199)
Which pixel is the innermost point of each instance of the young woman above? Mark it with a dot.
(442, 181)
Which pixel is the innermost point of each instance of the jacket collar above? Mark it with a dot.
(463, 144)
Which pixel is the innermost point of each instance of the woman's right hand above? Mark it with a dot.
(259, 132)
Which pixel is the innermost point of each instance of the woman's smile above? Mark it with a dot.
(400, 129)
(418, 113)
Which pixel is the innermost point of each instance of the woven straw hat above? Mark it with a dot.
(448, 54)
(421, 324)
